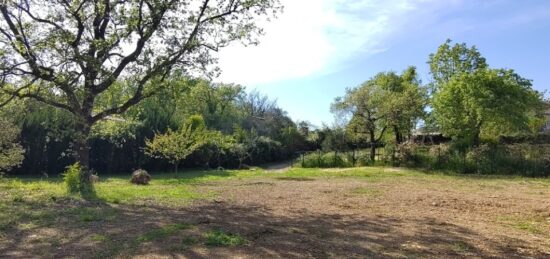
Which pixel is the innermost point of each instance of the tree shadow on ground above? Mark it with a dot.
(100, 230)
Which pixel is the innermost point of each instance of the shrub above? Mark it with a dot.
(409, 153)
(71, 177)
(390, 154)
(140, 177)
(11, 152)
(325, 160)
(441, 152)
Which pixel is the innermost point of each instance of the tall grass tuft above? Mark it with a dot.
(71, 178)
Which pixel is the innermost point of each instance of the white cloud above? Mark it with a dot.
(315, 36)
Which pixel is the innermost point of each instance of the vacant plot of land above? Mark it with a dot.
(367, 212)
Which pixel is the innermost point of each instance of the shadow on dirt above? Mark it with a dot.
(99, 230)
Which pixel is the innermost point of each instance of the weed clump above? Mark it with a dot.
(220, 238)
(71, 178)
(140, 177)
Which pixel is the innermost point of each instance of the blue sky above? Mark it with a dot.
(318, 48)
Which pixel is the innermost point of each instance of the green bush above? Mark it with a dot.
(515, 159)
(71, 177)
(334, 159)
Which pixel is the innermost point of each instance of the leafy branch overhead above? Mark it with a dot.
(65, 53)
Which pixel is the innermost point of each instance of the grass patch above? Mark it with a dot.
(162, 233)
(299, 179)
(221, 238)
(98, 238)
(373, 193)
(533, 225)
(85, 214)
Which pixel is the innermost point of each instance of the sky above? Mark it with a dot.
(316, 49)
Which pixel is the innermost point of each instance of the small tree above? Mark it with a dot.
(11, 152)
(175, 146)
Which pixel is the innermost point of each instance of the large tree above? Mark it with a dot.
(363, 104)
(68, 53)
(487, 102)
(386, 101)
(405, 102)
(470, 99)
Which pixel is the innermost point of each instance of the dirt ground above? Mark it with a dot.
(302, 217)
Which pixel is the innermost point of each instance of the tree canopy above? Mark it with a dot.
(449, 61)
(67, 54)
(488, 102)
(387, 101)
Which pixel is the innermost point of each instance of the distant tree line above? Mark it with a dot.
(466, 101)
(479, 109)
(193, 122)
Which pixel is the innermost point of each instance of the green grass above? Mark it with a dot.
(98, 238)
(87, 214)
(221, 238)
(533, 225)
(179, 189)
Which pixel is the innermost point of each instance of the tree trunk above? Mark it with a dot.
(476, 139)
(176, 165)
(372, 146)
(82, 154)
(398, 136)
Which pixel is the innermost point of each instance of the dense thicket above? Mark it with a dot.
(245, 128)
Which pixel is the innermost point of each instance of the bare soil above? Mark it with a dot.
(285, 217)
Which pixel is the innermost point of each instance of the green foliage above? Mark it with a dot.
(221, 238)
(485, 103)
(71, 178)
(453, 60)
(516, 159)
(175, 146)
(333, 160)
(115, 130)
(88, 214)
(11, 152)
(88, 88)
(387, 101)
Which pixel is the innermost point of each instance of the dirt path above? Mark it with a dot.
(279, 167)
